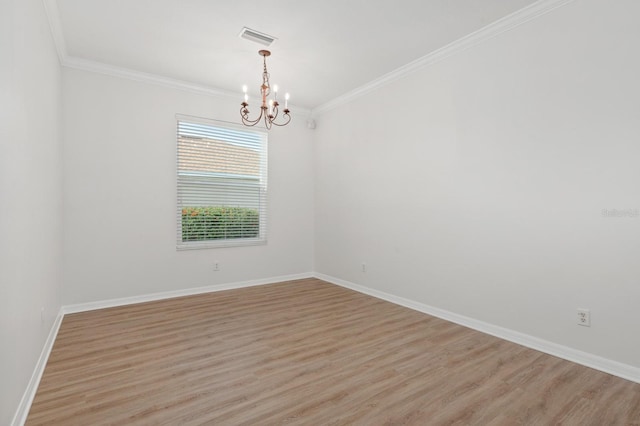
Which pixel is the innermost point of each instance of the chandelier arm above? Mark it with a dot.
(286, 114)
(267, 122)
(244, 115)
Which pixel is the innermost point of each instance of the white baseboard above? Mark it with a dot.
(110, 303)
(593, 361)
(27, 398)
(619, 369)
(20, 417)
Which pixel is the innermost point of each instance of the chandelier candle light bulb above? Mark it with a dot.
(269, 109)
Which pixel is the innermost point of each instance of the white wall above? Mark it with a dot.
(30, 194)
(476, 185)
(120, 193)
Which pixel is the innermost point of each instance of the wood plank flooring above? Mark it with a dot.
(308, 352)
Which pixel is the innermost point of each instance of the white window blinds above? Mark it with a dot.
(222, 185)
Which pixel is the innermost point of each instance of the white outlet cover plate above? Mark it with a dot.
(584, 317)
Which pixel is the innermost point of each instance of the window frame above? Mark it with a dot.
(262, 186)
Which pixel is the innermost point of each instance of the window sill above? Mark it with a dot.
(198, 245)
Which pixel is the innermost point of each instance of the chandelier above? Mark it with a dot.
(269, 108)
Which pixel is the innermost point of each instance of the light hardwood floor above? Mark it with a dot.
(308, 352)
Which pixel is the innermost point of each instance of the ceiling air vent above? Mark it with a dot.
(258, 37)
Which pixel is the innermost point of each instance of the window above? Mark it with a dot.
(222, 185)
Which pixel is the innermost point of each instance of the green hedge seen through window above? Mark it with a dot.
(215, 222)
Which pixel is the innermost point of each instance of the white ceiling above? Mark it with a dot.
(324, 48)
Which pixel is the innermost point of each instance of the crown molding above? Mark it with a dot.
(500, 26)
(158, 80)
(129, 74)
(53, 16)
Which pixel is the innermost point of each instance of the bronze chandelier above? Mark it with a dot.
(269, 109)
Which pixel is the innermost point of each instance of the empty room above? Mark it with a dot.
(419, 212)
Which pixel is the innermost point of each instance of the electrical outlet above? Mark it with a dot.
(584, 317)
(364, 267)
(216, 266)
